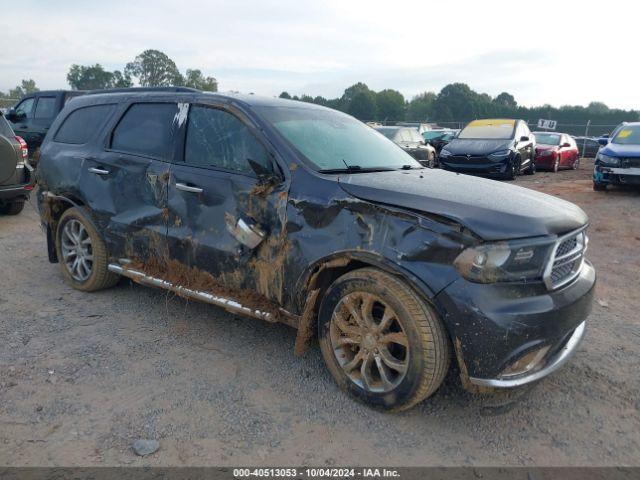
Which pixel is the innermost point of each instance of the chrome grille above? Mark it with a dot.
(566, 261)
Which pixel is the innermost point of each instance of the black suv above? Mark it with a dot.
(34, 114)
(292, 212)
(502, 148)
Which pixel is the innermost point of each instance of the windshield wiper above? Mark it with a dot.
(357, 169)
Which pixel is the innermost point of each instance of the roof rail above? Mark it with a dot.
(143, 89)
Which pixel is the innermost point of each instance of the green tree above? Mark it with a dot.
(93, 77)
(506, 100)
(363, 105)
(195, 79)
(350, 93)
(153, 68)
(456, 102)
(26, 87)
(391, 105)
(420, 107)
(285, 95)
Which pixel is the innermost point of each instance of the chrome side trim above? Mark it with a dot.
(226, 303)
(554, 364)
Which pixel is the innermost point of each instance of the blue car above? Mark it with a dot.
(618, 161)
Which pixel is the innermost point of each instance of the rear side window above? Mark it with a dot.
(146, 129)
(218, 139)
(81, 124)
(45, 108)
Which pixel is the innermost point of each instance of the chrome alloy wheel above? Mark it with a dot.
(77, 251)
(369, 342)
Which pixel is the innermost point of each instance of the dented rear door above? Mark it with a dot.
(126, 182)
(224, 223)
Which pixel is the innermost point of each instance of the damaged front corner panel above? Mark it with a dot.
(244, 231)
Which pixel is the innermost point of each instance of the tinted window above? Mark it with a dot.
(46, 107)
(5, 128)
(146, 129)
(81, 124)
(218, 139)
(25, 107)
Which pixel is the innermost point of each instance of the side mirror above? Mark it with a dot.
(603, 141)
(11, 115)
(267, 174)
(524, 138)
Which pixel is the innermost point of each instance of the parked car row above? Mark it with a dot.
(306, 216)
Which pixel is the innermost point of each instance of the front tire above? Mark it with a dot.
(82, 253)
(599, 187)
(531, 169)
(382, 343)
(512, 169)
(556, 165)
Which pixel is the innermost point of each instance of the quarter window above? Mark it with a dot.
(218, 139)
(146, 129)
(46, 107)
(81, 124)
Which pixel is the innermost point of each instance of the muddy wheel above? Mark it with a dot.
(82, 253)
(380, 341)
(11, 208)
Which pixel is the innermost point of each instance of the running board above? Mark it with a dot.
(226, 303)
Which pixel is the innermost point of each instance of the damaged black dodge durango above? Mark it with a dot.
(295, 213)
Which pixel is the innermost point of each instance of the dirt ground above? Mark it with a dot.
(82, 376)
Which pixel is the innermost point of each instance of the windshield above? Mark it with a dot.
(628, 135)
(548, 138)
(388, 132)
(332, 140)
(432, 135)
(489, 130)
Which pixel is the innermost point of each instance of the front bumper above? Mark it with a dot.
(614, 175)
(496, 325)
(475, 165)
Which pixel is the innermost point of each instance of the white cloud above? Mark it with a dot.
(543, 52)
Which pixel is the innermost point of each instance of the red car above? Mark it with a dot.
(555, 151)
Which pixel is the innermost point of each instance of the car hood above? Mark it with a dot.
(459, 146)
(617, 150)
(491, 209)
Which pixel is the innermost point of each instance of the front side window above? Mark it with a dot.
(146, 129)
(82, 123)
(25, 108)
(331, 140)
(489, 130)
(45, 108)
(218, 139)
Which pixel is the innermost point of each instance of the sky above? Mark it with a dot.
(555, 52)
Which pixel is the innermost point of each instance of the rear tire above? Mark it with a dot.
(12, 208)
(82, 253)
(391, 364)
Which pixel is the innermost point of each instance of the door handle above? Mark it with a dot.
(188, 188)
(98, 171)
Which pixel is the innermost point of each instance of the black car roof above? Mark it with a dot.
(187, 94)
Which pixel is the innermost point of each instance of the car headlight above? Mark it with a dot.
(607, 160)
(445, 153)
(504, 261)
(499, 155)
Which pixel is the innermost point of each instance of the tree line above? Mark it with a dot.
(457, 102)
